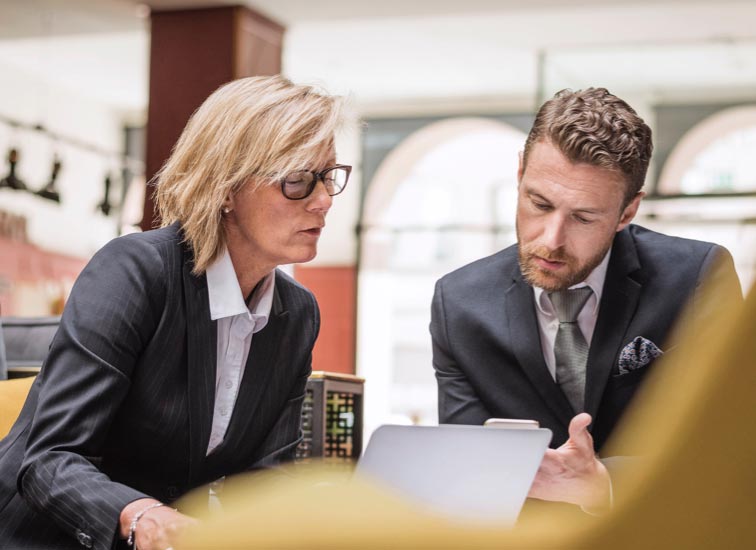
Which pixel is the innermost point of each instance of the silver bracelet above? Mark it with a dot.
(132, 528)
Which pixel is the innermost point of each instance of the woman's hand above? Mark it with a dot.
(157, 528)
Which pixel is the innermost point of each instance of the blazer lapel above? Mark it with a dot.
(525, 340)
(202, 337)
(619, 301)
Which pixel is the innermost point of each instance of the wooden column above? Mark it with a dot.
(193, 52)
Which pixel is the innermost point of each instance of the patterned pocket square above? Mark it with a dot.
(638, 353)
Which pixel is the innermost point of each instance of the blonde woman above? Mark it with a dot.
(182, 354)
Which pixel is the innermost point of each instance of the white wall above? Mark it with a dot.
(649, 47)
(74, 226)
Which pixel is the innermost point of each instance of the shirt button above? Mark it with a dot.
(224, 411)
(229, 384)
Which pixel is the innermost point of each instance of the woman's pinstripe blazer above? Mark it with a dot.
(123, 405)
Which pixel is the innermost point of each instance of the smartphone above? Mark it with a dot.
(511, 423)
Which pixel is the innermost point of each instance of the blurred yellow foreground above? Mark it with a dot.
(696, 488)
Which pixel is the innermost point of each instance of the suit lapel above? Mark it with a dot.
(619, 301)
(202, 335)
(525, 341)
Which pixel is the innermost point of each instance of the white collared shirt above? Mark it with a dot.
(237, 322)
(548, 322)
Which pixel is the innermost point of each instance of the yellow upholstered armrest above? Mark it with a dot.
(12, 396)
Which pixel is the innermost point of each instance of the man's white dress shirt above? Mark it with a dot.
(548, 322)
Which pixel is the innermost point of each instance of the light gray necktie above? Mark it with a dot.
(570, 348)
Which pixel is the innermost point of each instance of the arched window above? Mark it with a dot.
(444, 197)
(710, 184)
(716, 156)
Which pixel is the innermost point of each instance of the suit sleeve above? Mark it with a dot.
(281, 443)
(110, 315)
(458, 402)
(717, 287)
(718, 276)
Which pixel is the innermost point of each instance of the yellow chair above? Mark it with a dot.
(696, 486)
(12, 396)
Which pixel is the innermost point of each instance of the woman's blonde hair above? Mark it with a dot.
(259, 126)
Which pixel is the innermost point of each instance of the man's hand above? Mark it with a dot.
(572, 473)
(157, 528)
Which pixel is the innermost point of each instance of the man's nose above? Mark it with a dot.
(554, 233)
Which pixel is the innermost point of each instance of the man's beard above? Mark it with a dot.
(570, 274)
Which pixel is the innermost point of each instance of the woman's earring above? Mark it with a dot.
(226, 210)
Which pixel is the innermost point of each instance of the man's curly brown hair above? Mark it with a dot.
(595, 127)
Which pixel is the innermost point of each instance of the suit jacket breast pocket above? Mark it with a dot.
(621, 389)
(619, 392)
(630, 379)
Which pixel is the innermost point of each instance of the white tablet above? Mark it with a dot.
(467, 473)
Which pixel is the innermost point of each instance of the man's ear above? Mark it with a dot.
(630, 211)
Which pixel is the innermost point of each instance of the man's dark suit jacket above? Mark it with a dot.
(123, 406)
(486, 343)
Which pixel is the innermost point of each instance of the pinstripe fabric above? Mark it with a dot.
(123, 405)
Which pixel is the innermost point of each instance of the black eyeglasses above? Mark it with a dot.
(300, 184)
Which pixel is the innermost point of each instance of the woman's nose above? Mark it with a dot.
(319, 199)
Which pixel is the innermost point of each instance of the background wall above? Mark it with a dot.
(44, 120)
(418, 74)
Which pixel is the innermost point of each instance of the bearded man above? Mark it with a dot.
(563, 326)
